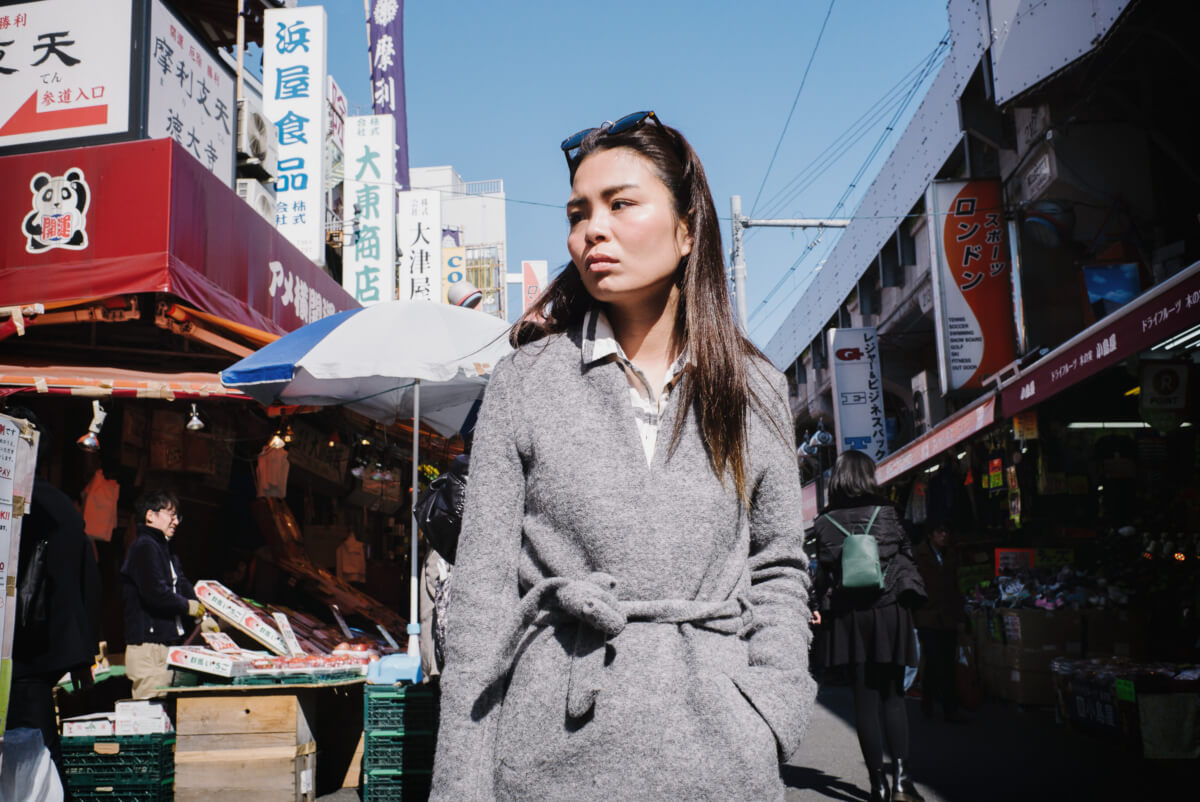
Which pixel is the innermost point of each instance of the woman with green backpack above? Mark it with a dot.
(865, 587)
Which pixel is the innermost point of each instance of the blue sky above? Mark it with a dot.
(494, 87)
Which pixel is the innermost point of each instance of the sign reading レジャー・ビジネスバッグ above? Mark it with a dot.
(369, 250)
(972, 281)
(294, 100)
(858, 416)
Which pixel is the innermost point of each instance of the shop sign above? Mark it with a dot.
(369, 255)
(454, 268)
(858, 392)
(972, 281)
(335, 137)
(294, 100)
(1163, 401)
(1025, 425)
(1166, 310)
(65, 67)
(419, 243)
(192, 96)
(533, 281)
(946, 435)
(385, 35)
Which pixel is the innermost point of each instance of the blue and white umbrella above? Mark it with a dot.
(373, 359)
(392, 360)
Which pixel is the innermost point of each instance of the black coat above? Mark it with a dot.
(156, 605)
(902, 583)
(69, 640)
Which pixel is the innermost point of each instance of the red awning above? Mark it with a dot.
(148, 217)
(1165, 310)
(958, 427)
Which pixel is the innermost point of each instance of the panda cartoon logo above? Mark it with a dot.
(59, 216)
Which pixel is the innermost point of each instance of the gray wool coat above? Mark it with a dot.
(618, 630)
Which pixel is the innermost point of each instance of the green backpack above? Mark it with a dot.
(860, 558)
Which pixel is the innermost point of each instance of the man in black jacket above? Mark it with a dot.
(58, 635)
(159, 599)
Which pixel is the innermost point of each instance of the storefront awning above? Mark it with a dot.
(101, 382)
(141, 217)
(958, 427)
(1165, 310)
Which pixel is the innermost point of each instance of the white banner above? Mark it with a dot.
(534, 278)
(858, 392)
(192, 95)
(64, 69)
(369, 253)
(294, 99)
(419, 240)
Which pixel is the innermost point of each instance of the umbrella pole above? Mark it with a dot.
(414, 626)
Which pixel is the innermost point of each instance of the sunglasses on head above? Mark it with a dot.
(570, 145)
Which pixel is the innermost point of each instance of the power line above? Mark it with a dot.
(840, 145)
(804, 78)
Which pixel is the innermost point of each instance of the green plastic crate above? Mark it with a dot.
(385, 785)
(147, 791)
(399, 708)
(406, 751)
(90, 760)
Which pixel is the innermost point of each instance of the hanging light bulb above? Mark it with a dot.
(334, 439)
(91, 441)
(378, 475)
(194, 424)
(288, 434)
(276, 441)
(358, 470)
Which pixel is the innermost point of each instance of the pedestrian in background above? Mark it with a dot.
(939, 621)
(159, 599)
(870, 630)
(623, 618)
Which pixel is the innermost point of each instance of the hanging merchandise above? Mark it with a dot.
(352, 560)
(100, 506)
(1025, 425)
(916, 510)
(1014, 507)
(994, 480)
(271, 474)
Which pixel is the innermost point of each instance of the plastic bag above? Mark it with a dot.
(27, 770)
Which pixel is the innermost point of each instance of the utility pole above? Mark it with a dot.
(739, 260)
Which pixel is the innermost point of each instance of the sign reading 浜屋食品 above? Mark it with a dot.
(294, 100)
(65, 70)
(973, 308)
(858, 414)
(369, 247)
(386, 32)
(191, 95)
(419, 242)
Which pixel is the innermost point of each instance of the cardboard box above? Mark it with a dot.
(227, 606)
(207, 661)
(90, 725)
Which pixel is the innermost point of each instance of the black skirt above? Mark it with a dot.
(875, 635)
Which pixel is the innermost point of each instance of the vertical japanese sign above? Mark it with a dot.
(533, 281)
(191, 95)
(10, 536)
(454, 267)
(972, 281)
(294, 99)
(858, 392)
(369, 253)
(386, 33)
(419, 241)
(64, 70)
(335, 134)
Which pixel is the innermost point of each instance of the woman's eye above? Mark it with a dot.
(620, 204)
(574, 217)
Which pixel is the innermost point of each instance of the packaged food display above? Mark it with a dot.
(227, 606)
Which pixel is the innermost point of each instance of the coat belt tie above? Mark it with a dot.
(591, 603)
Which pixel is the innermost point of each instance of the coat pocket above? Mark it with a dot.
(748, 731)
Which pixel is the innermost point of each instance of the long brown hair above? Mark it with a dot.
(716, 385)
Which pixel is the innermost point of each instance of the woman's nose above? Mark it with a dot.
(597, 227)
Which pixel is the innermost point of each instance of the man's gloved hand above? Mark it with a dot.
(209, 624)
(195, 608)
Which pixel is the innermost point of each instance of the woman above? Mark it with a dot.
(870, 630)
(626, 618)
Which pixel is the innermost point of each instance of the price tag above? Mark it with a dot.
(1125, 692)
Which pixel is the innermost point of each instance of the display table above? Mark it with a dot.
(265, 742)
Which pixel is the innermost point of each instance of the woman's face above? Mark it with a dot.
(624, 238)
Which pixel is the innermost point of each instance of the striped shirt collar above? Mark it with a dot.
(600, 342)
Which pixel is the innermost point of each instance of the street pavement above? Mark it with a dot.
(1004, 753)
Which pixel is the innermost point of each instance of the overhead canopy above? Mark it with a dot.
(103, 382)
(947, 434)
(156, 220)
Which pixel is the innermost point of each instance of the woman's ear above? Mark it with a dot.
(684, 239)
